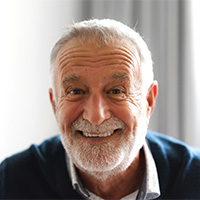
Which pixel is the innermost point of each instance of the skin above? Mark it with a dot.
(97, 84)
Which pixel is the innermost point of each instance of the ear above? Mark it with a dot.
(52, 100)
(151, 97)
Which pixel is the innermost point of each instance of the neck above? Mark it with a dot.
(119, 185)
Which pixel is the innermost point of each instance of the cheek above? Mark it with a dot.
(68, 113)
(128, 113)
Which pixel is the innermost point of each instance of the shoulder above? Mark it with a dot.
(178, 165)
(171, 147)
(34, 154)
(36, 172)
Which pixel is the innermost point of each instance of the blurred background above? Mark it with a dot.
(29, 29)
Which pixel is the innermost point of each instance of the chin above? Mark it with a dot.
(102, 161)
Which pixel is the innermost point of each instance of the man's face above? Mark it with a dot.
(101, 113)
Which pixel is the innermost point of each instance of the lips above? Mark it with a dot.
(92, 135)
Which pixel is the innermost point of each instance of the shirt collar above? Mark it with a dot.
(149, 189)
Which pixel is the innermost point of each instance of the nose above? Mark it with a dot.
(96, 109)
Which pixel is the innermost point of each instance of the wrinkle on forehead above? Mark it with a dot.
(120, 55)
(75, 54)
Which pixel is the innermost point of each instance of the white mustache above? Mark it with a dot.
(109, 125)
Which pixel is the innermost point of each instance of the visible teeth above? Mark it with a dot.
(98, 135)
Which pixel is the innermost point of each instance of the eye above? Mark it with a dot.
(75, 92)
(117, 93)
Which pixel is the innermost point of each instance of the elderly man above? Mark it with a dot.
(103, 94)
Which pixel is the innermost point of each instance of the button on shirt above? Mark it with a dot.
(149, 189)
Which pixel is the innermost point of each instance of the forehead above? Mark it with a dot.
(117, 55)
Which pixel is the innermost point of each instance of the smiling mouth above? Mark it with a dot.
(97, 135)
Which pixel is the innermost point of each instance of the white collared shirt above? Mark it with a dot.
(150, 185)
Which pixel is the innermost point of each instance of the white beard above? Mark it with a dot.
(104, 160)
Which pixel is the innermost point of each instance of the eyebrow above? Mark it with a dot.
(70, 79)
(74, 78)
(120, 76)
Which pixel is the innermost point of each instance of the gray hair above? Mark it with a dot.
(105, 31)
